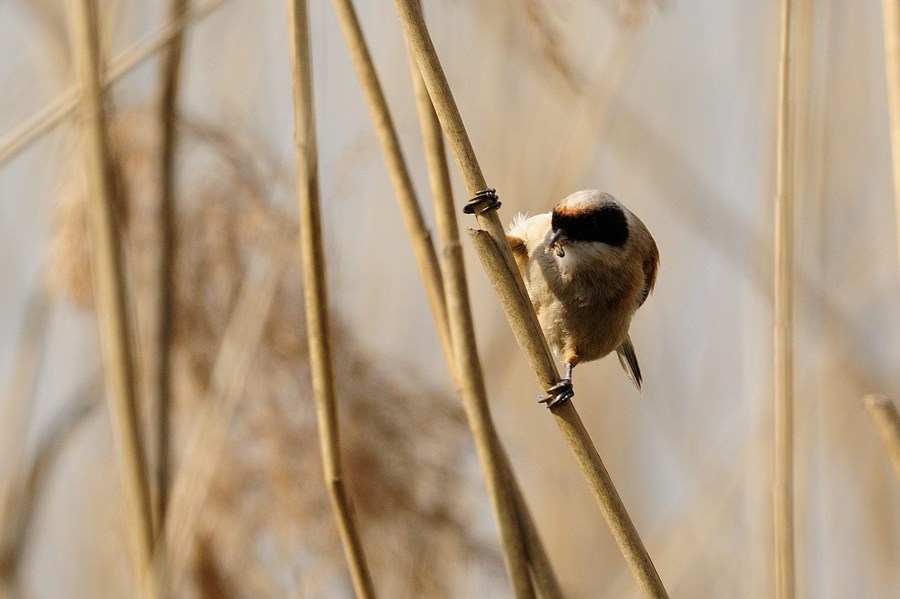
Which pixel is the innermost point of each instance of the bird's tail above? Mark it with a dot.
(628, 360)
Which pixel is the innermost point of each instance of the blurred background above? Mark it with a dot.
(668, 105)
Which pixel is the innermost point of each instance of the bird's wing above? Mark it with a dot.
(650, 266)
(628, 360)
(517, 245)
(516, 234)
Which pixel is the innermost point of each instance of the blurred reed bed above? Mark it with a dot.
(719, 524)
(266, 525)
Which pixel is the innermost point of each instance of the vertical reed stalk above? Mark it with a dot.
(168, 115)
(891, 16)
(783, 492)
(454, 325)
(439, 178)
(315, 292)
(884, 416)
(497, 258)
(116, 334)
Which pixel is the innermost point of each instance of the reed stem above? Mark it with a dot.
(315, 292)
(884, 416)
(453, 334)
(783, 492)
(445, 214)
(420, 236)
(116, 331)
(494, 250)
(168, 115)
(891, 17)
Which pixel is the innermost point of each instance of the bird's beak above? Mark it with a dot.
(555, 242)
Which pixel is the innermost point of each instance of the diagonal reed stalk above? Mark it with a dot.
(783, 490)
(42, 121)
(20, 504)
(116, 330)
(19, 399)
(497, 258)
(454, 325)
(423, 249)
(168, 117)
(884, 416)
(208, 437)
(17, 411)
(891, 16)
(316, 299)
(448, 231)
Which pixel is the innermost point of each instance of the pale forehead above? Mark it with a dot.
(587, 198)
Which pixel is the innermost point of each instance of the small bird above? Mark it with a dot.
(587, 265)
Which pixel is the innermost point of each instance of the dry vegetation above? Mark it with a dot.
(268, 491)
(248, 512)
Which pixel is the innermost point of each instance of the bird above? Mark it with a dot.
(588, 265)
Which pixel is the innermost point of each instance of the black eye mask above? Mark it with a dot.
(607, 225)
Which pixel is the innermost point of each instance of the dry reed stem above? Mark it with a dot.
(19, 397)
(316, 298)
(57, 110)
(116, 333)
(21, 503)
(18, 404)
(207, 439)
(498, 261)
(449, 326)
(884, 416)
(783, 491)
(168, 116)
(891, 16)
(419, 234)
(445, 214)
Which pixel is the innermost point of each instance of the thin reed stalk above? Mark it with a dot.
(316, 299)
(498, 261)
(19, 398)
(454, 328)
(42, 121)
(206, 442)
(783, 367)
(116, 329)
(19, 506)
(884, 416)
(445, 214)
(17, 410)
(423, 248)
(168, 117)
(891, 17)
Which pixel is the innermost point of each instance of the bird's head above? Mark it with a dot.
(588, 217)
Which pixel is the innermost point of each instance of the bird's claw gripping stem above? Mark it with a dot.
(558, 393)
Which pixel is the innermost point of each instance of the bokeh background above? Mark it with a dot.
(668, 105)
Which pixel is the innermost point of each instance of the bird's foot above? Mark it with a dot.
(558, 393)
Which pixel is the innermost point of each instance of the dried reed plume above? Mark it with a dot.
(265, 529)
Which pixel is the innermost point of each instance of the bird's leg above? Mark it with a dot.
(561, 391)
